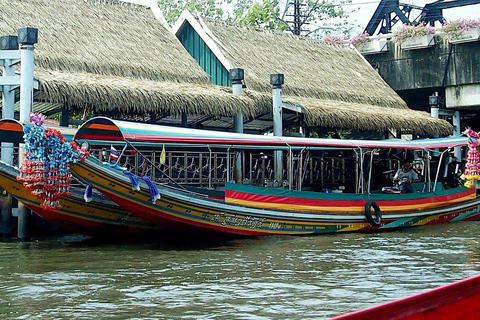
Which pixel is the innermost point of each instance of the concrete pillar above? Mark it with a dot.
(8, 100)
(27, 37)
(277, 80)
(434, 112)
(457, 130)
(184, 120)
(237, 76)
(64, 116)
(6, 217)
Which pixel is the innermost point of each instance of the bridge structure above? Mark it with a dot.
(441, 74)
(446, 70)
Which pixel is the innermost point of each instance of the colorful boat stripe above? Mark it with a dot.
(105, 129)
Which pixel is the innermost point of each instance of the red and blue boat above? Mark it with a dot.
(264, 208)
(100, 216)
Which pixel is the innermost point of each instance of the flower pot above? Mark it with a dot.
(419, 42)
(472, 34)
(374, 46)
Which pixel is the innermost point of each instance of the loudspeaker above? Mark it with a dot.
(27, 35)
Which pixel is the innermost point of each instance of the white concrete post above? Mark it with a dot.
(434, 111)
(27, 37)
(8, 98)
(277, 80)
(457, 130)
(237, 76)
(9, 56)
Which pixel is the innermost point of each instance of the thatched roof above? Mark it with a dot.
(111, 55)
(103, 37)
(336, 86)
(141, 95)
(312, 69)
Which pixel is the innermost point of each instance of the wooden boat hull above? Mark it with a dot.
(99, 217)
(184, 211)
(454, 301)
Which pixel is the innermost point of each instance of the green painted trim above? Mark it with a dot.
(199, 50)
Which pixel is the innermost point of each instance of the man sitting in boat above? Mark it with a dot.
(405, 176)
(403, 179)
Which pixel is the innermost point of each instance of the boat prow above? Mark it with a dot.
(100, 216)
(456, 301)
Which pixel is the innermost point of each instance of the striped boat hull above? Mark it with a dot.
(98, 217)
(178, 210)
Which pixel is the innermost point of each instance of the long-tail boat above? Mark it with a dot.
(456, 301)
(265, 208)
(100, 216)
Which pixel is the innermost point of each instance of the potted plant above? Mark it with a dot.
(414, 37)
(463, 30)
(366, 45)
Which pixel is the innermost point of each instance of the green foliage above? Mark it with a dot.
(172, 9)
(269, 14)
(263, 14)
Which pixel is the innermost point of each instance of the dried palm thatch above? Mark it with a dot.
(312, 68)
(326, 113)
(107, 93)
(102, 37)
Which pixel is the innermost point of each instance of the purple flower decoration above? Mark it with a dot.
(37, 118)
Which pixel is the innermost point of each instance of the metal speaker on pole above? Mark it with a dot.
(27, 36)
(8, 43)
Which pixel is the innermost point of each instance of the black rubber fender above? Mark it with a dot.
(376, 219)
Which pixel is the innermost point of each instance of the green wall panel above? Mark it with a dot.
(204, 56)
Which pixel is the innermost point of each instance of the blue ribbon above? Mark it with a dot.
(153, 189)
(133, 180)
(88, 193)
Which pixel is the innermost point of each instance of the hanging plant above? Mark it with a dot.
(406, 31)
(359, 40)
(337, 39)
(455, 28)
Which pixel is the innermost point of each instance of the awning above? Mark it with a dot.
(105, 129)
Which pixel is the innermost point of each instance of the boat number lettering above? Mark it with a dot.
(247, 221)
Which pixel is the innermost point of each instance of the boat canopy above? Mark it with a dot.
(109, 130)
(11, 131)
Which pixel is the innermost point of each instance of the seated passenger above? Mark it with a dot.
(405, 177)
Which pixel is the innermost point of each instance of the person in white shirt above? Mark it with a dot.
(405, 176)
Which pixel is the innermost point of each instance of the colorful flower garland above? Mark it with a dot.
(45, 170)
(472, 166)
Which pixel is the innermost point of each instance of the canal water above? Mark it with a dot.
(76, 277)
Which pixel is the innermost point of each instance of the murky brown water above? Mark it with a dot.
(263, 278)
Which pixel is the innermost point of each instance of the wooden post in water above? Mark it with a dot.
(9, 57)
(277, 80)
(27, 37)
(237, 76)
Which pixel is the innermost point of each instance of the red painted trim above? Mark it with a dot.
(252, 197)
(459, 300)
